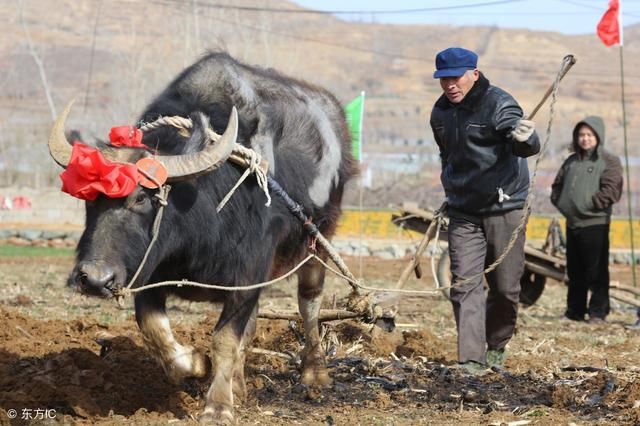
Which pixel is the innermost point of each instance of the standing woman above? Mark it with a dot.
(586, 187)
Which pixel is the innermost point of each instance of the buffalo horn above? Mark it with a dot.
(181, 167)
(59, 147)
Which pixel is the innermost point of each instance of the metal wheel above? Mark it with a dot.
(531, 287)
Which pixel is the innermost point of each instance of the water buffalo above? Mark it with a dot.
(300, 129)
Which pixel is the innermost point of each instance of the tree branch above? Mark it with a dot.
(39, 63)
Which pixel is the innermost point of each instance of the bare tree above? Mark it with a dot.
(38, 61)
(186, 51)
(196, 26)
(4, 166)
(93, 53)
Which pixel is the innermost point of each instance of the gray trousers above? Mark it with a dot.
(485, 322)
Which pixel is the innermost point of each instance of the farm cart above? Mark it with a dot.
(540, 263)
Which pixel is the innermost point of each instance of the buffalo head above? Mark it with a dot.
(118, 230)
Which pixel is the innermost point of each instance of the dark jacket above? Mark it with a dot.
(479, 158)
(588, 184)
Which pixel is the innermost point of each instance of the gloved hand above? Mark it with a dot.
(523, 131)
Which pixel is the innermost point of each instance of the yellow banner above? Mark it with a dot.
(377, 224)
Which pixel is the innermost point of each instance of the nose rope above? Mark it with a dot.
(161, 196)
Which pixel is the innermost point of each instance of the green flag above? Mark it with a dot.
(355, 113)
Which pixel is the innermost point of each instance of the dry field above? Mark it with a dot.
(556, 372)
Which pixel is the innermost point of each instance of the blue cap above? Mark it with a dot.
(455, 61)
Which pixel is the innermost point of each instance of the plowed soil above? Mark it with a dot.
(80, 360)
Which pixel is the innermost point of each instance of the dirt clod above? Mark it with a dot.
(84, 358)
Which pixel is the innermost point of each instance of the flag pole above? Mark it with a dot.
(361, 197)
(620, 28)
(354, 112)
(360, 203)
(626, 159)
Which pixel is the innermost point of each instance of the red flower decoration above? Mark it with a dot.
(89, 173)
(126, 136)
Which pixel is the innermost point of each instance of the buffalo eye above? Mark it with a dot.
(141, 198)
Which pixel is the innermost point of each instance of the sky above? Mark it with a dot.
(563, 16)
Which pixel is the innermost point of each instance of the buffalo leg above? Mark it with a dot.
(310, 284)
(230, 337)
(239, 386)
(178, 361)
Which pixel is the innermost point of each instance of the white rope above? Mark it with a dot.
(162, 196)
(188, 283)
(126, 291)
(253, 160)
(374, 289)
(175, 121)
(439, 251)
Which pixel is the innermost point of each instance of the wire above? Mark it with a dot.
(392, 55)
(598, 8)
(387, 12)
(308, 39)
(344, 12)
(588, 6)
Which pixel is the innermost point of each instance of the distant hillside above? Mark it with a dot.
(115, 55)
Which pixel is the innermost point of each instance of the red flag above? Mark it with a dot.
(609, 25)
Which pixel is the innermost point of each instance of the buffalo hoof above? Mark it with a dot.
(217, 415)
(316, 376)
(191, 363)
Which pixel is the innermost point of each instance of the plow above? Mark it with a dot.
(541, 263)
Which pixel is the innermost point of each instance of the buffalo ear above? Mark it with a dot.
(199, 136)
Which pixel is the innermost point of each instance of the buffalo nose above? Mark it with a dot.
(95, 277)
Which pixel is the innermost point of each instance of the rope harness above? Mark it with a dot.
(253, 162)
(241, 154)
